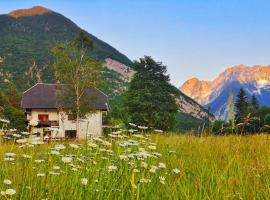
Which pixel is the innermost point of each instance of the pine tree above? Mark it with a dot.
(150, 99)
(231, 110)
(254, 112)
(254, 103)
(241, 106)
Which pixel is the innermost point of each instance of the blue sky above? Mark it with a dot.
(194, 38)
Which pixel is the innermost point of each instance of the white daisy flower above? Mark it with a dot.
(7, 182)
(75, 146)
(162, 165)
(84, 181)
(177, 171)
(40, 174)
(112, 168)
(66, 159)
(10, 192)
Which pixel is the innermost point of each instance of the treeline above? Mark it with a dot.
(10, 109)
(248, 117)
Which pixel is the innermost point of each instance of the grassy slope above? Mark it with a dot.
(230, 167)
(186, 122)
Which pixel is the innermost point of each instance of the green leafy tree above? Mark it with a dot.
(241, 107)
(15, 116)
(150, 98)
(79, 71)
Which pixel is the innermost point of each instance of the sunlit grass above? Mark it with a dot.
(228, 167)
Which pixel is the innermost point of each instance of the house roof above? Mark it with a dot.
(44, 95)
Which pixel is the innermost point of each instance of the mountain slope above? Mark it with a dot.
(26, 39)
(214, 94)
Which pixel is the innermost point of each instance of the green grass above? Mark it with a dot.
(227, 167)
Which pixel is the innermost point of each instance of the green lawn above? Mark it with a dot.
(226, 167)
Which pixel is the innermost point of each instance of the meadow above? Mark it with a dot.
(140, 166)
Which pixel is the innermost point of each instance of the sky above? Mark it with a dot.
(193, 38)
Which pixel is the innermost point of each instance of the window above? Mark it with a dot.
(71, 117)
(43, 117)
(71, 134)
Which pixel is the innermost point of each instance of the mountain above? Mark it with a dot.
(27, 37)
(214, 94)
(123, 74)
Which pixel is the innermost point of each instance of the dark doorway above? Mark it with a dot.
(71, 134)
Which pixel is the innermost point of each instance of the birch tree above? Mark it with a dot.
(75, 67)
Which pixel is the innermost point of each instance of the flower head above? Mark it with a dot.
(7, 182)
(33, 122)
(67, 159)
(84, 181)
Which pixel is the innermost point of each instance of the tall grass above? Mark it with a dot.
(229, 167)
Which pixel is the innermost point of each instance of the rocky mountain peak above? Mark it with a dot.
(36, 10)
(254, 79)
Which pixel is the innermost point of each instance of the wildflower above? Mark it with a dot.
(143, 180)
(39, 161)
(56, 167)
(93, 145)
(131, 124)
(152, 147)
(25, 133)
(10, 154)
(162, 165)
(157, 154)
(162, 180)
(16, 135)
(75, 146)
(26, 156)
(59, 147)
(158, 131)
(177, 171)
(84, 181)
(143, 127)
(153, 169)
(54, 173)
(55, 152)
(9, 159)
(7, 182)
(40, 174)
(37, 142)
(112, 168)
(123, 157)
(10, 192)
(67, 159)
(33, 122)
(144, 165)
(106, 143)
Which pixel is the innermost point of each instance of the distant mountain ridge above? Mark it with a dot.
(214, 94)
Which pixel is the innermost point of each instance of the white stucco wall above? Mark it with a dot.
(53, 115)
(91, 125)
